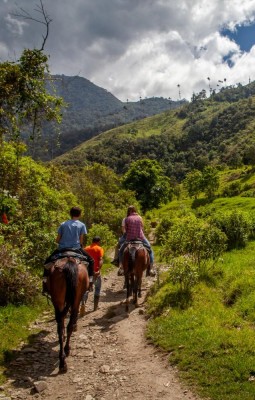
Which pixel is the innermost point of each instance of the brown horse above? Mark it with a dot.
(68, 281)
(135, 260)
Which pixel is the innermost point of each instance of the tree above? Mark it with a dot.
(192, 183)
(146, 178)
(210, 181)
(25, 102)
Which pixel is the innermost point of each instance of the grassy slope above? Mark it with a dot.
(213, 344)
(212, 340)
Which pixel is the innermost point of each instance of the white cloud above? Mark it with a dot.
(14, 25)
(138, 47)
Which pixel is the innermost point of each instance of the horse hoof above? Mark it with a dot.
(63, 370)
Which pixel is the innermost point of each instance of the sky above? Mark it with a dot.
(139, 48)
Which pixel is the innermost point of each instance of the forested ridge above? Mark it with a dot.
(88, 111)
(218, 130)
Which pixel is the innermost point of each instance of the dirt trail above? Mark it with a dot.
(110, 358)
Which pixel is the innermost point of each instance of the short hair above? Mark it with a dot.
(96, 239)
(75, 212)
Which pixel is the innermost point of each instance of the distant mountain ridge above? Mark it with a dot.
(92, 110)
(218, 130)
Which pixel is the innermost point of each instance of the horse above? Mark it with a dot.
(136, 260)
(68, 280)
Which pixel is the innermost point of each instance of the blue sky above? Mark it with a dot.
(140, 48)
(244, 36)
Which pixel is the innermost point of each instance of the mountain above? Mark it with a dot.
(91, 110)
(218, 130)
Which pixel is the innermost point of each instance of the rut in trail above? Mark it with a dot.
(110, 358)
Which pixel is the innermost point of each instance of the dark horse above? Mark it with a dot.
(135, 260)
(68, 281)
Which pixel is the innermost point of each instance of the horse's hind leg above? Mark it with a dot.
(61, 328)
(83, 304)
(139, 287)
(70, 328)
(135, 288)
(128, 290)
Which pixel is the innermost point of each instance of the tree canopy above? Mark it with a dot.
(146, 178)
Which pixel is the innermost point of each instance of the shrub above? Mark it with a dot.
(237, 226)
(17, 285)
(184, 272)
(203, 242)
(163, 227)
(233, 189)
(108, 239)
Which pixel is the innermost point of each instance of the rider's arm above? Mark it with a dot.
(81, 239)
(123, 229)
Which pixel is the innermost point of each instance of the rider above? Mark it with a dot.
(121, 240)
(96, 252)
(70, 237)
(134, 231)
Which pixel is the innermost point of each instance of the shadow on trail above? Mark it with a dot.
(33, 361)
(113, 313)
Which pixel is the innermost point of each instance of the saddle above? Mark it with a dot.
(134, 245)
(139, 243)
(65, 253)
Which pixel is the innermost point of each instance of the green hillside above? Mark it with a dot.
(218, 130)
(89, 111)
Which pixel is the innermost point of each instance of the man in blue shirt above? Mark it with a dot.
(71, 232)
(70, 237)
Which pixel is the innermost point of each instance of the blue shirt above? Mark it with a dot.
(70, 232)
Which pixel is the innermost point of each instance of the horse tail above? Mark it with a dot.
(71, 273)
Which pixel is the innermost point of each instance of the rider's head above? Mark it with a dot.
(96, 239)
(131, 210)
(75, 212)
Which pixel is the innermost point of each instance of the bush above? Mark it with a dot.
(108, 239)
(17, 285)
(163, 227)
(203, 242)
(233, 189)
(237, 226)
(184, 272)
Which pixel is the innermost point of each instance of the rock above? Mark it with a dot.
(40, 386)
(105, 369)
(29, 350)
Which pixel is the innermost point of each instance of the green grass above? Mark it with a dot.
(14, 329)
(212, 339)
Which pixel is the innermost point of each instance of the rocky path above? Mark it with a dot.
(110, 358)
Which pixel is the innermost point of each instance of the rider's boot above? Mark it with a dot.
(45, 283)
(96, 301)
